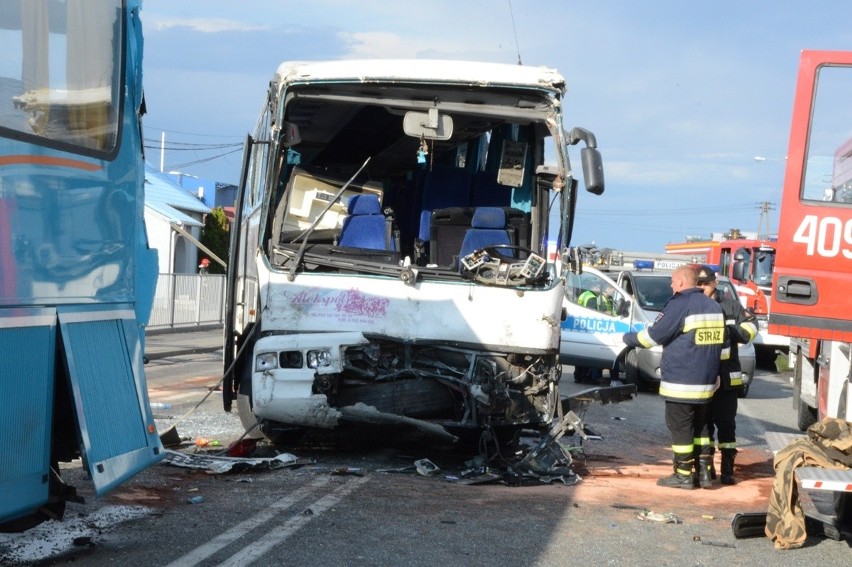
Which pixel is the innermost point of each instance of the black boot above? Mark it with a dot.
(682, 476)
(712, 454)
(705, 464)
(728, 456)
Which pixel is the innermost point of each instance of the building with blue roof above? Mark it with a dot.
(167, 204)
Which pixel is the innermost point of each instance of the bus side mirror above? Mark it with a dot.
(593, 174)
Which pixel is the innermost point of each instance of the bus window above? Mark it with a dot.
(66, 88)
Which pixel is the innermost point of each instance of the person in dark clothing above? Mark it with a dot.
(741, 328)
(691, 329)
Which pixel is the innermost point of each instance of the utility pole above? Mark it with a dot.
(765, 207)
(162, 150)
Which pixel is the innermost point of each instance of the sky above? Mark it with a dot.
(690, 102)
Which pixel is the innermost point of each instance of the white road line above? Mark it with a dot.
(256, 550)
(202, 552)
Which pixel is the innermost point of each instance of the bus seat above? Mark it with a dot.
(487, 228)
(366, 226)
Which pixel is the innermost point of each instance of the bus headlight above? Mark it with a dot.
(266, 361)
(318, 358)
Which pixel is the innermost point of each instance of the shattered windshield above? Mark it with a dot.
(465, 199)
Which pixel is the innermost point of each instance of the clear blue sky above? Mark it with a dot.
(681, 95)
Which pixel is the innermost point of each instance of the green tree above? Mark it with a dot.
(216, 236)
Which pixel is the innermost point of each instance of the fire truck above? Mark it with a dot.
(813, 267)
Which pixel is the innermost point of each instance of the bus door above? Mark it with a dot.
(118, 436)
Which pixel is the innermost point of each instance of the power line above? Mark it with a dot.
(203, 160)
(178, 147)
(148, 127)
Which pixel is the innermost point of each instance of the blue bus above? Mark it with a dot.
(77, 278)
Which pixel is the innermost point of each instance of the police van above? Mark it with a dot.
(598, 312)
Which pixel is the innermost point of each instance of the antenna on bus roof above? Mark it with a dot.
(514, 29)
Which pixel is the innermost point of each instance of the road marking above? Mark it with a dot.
(255, 550)
(202, 552)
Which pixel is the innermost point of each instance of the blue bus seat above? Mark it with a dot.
(366, 226)
(487, 228)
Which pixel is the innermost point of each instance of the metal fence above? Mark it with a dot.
(187, 300)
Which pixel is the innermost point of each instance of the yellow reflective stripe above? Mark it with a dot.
(736, 379)
(704, 321)
(684, 472)
(687, 392)
(731, 445)
(645, 339)
(709, 329)
(682, 449)
(701, 441)
(726, 353)
(750, 329)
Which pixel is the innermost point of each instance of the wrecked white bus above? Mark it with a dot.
(389, 244)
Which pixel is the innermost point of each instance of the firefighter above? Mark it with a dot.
(741, 328)
(691, 329)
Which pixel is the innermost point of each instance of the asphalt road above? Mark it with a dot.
(343, 505)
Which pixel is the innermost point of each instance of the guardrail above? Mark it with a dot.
(188, 300)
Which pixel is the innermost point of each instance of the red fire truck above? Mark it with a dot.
(813, 267)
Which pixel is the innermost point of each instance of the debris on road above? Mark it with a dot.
(54, 537)
(216, 464)
(425, 467)
(666, 518)
(347, 471)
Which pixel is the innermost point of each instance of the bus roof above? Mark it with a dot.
(422, 70)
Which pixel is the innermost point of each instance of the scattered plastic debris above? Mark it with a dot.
(719, 544)
(195, 499)
(242, 448)
(219, 464)
(347, 471)
(666, 518)
(425, 467)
